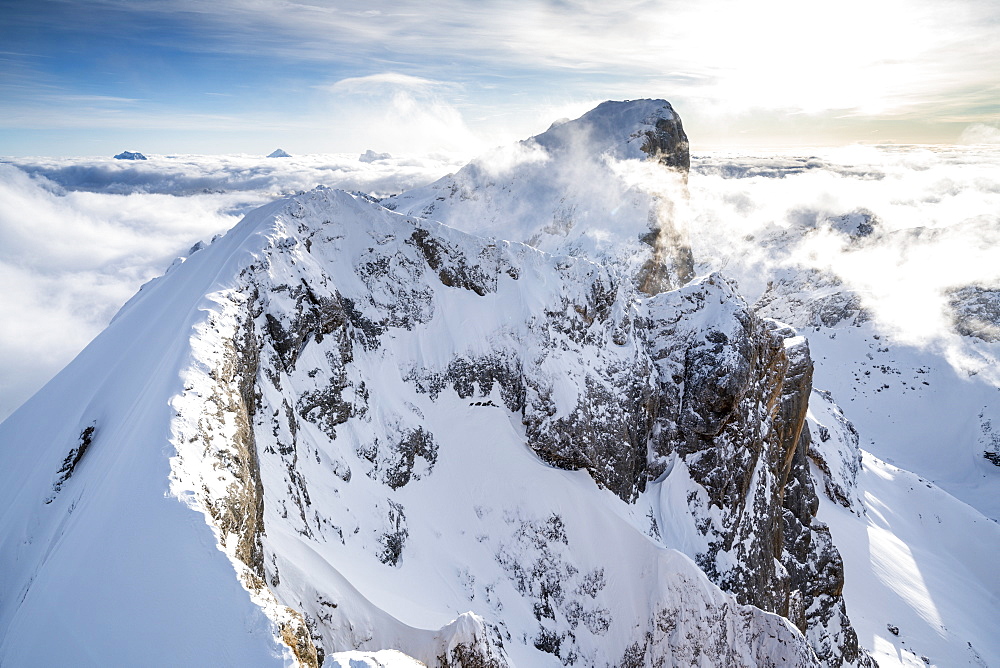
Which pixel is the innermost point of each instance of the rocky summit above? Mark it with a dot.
(495, 421)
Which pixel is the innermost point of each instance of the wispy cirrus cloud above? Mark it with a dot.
(385, 79)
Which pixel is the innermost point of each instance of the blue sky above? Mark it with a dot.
(179, 76)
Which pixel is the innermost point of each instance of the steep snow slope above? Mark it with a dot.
(916, 410)
(920, 571)
(99, 560)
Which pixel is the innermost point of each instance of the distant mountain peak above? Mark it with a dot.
(279, 153)
(372, 156)
(130, 155)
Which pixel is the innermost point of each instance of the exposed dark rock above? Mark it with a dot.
(606, 434)
(72, 460)
(469, 642)
(857, 224)
(396, 464)
(668, 144)
(795, 301)
(738, 424)
(989, 439)
(976, 311)
(502, 369)
(394, 538)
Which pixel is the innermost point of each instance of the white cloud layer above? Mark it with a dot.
(937, 228)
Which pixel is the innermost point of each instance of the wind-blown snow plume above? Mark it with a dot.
(606, 186)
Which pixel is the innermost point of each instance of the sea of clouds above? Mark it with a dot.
(935, 218)
(79, 236)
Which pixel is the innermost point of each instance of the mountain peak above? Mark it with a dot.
(279, 153)
(610, 186)
(625, 129)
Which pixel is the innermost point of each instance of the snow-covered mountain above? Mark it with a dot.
(495, 421)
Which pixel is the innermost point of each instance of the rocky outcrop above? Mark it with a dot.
(737, 390)
(811, 298)
(372, 156)
(640, 393)
(976, 311)
(667, 143)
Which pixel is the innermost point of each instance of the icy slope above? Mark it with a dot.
(919, 567)
(99, 560)
(920, 571)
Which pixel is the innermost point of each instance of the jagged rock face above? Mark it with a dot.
(812, 299)
(976, 311)
(736, 393)
(668, 144)
(622, 129)
(352, 416)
